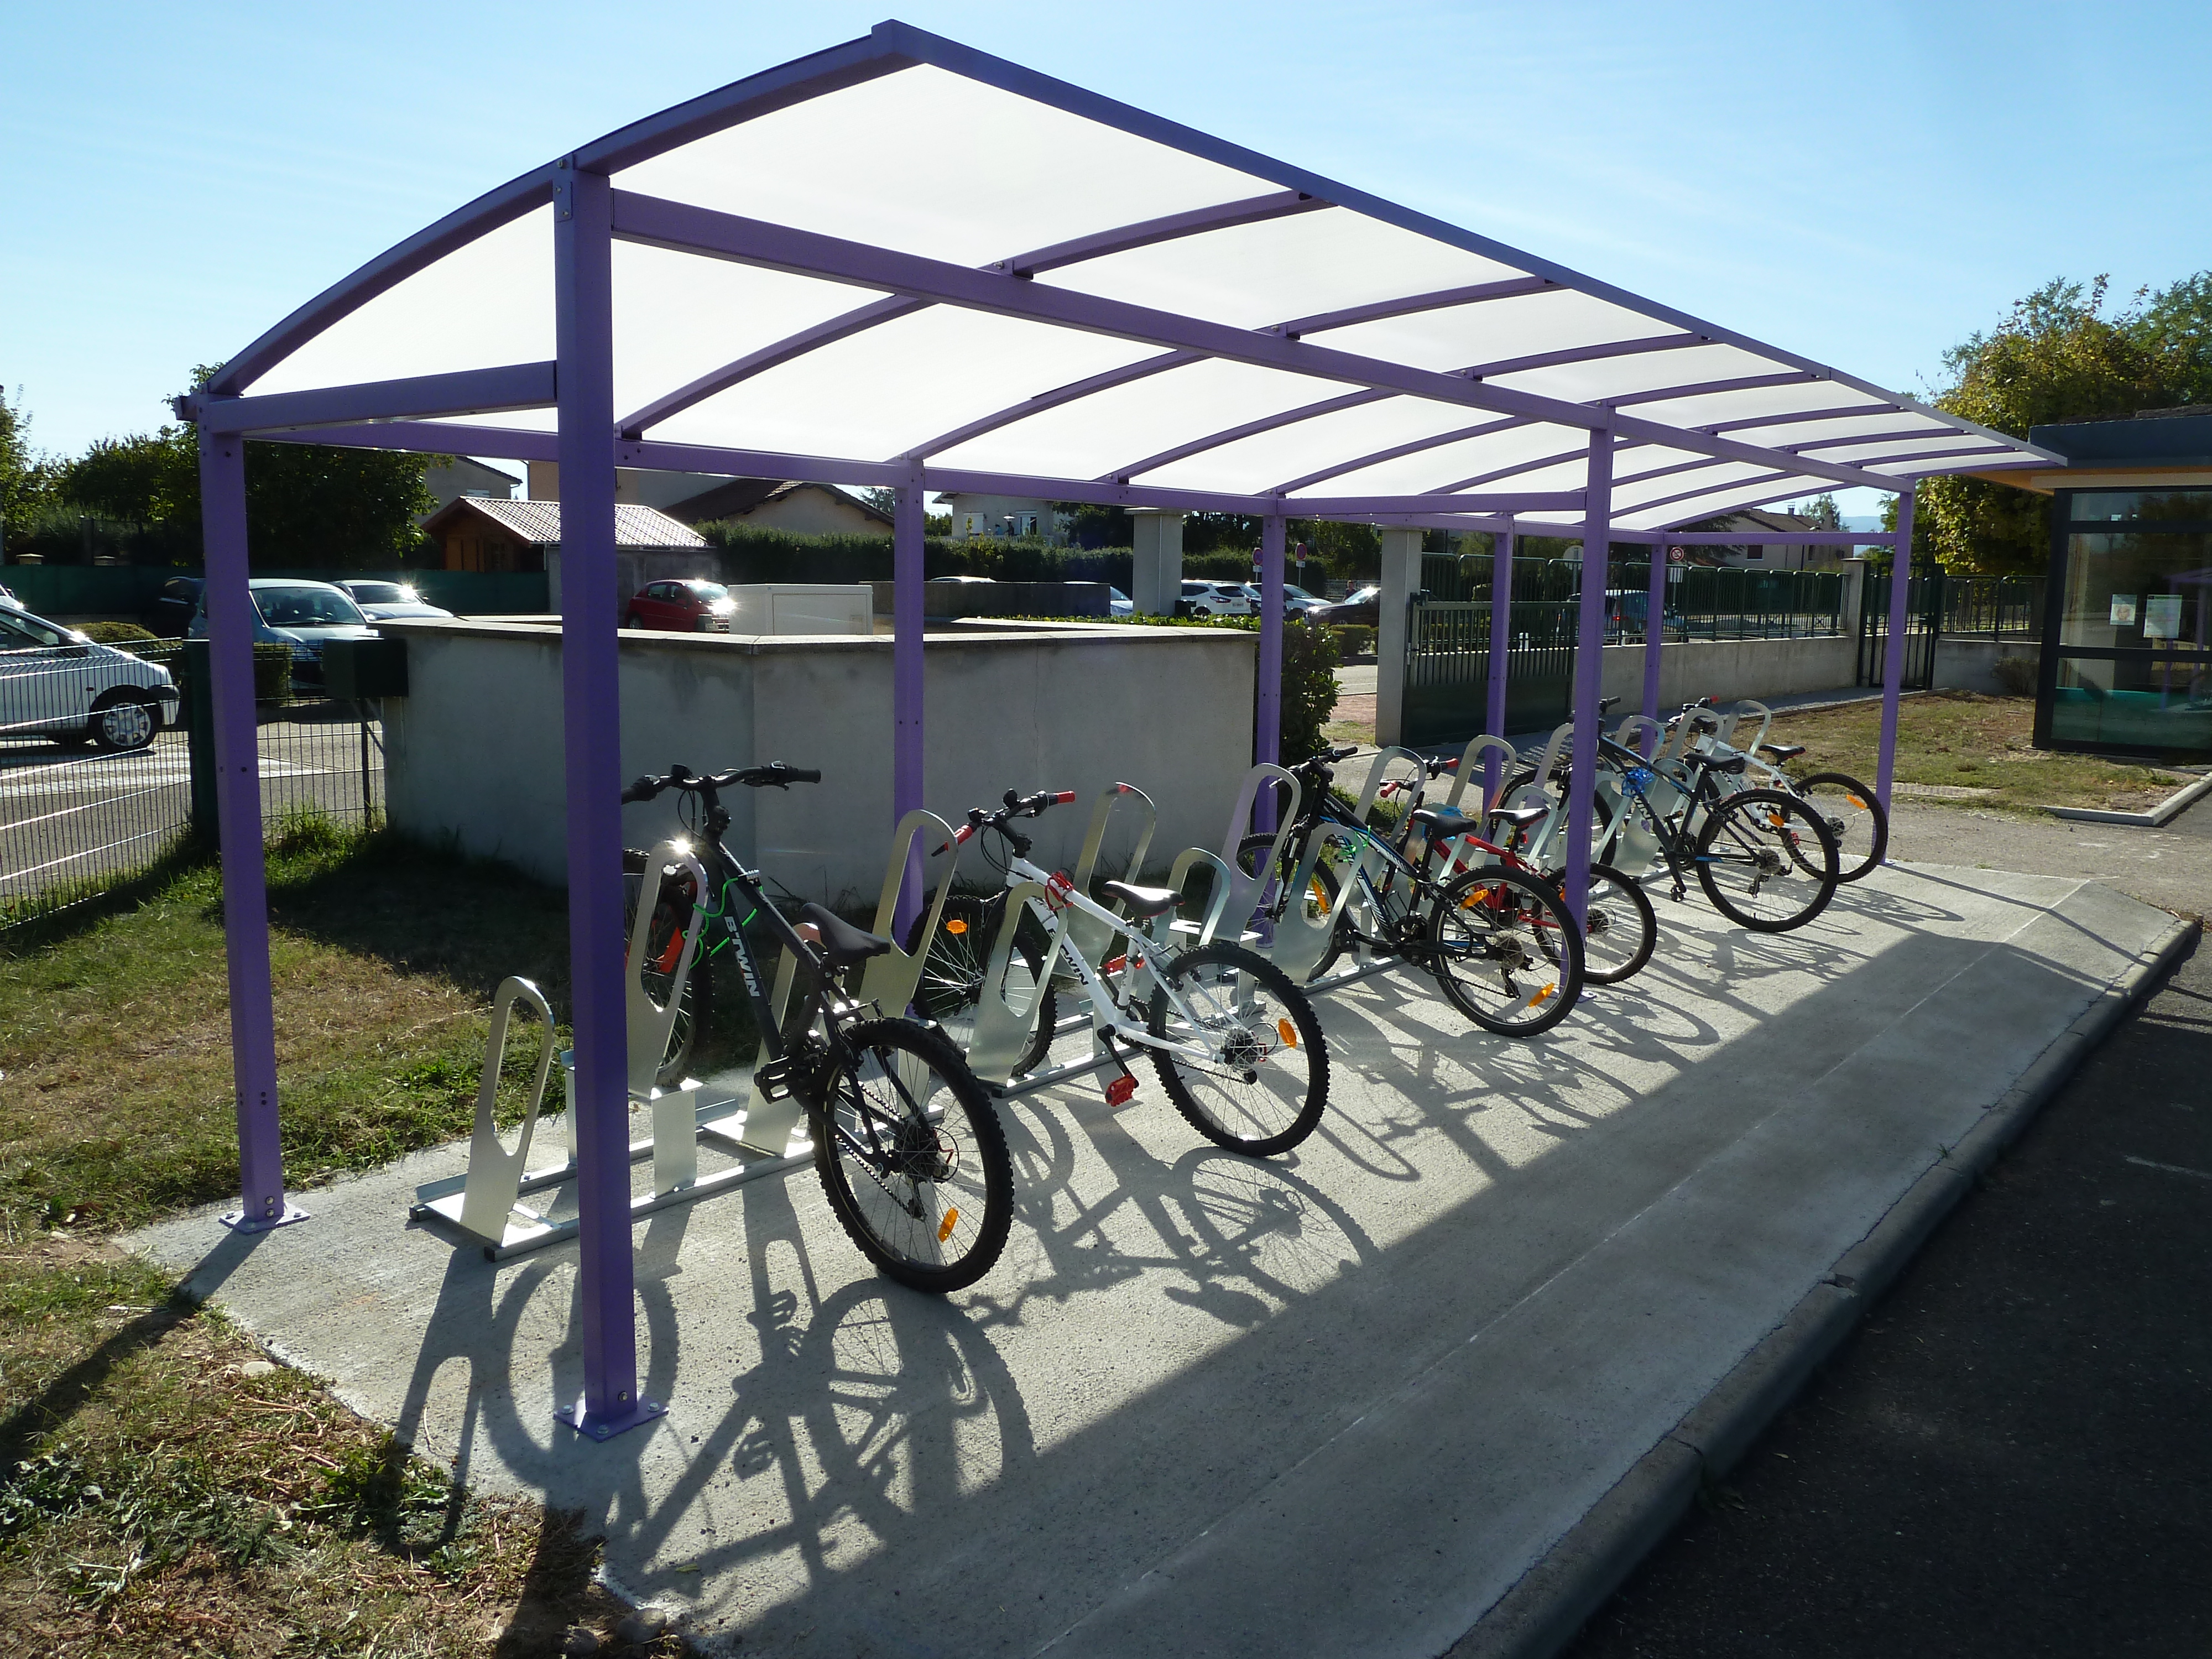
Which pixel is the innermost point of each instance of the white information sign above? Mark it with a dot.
(2123, 610)
(2162, 617)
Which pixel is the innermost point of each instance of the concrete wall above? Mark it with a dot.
(1726, 669)
(474, 753)
(1964, 665)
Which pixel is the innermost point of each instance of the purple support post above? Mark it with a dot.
(591, 707)
(1501, 651)
(1893, 645)
(1590, 668)
(909, 529)
(1654, 633)
(238, 809)
(1268, 697)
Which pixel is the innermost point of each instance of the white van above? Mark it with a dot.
(57, 685)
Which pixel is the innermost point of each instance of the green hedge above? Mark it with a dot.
(272, 666)
(751, 554)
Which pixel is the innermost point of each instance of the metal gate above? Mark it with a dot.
(1923, 626)
(1447, 668)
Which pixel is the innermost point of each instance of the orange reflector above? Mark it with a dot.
(1543, 996)
(1114, 966)
(1290, 1033)
(1320, 897)
(944, 1227)
(1774, 820)
(956, 925)
(1856, 802)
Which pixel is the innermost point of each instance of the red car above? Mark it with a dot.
(691, 606)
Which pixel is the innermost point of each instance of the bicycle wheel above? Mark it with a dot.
(928, 1201)
(1319, 898)
(1767, 860)
(952, 981)
(1854, 817)
(1505, 951)
(672, 917)
(1618, 927)
(1265, 1092)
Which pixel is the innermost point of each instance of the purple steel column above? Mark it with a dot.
(1501, 653)
(592, 723)
(909, 530)
(1654, 633)
(1893, 645)
(237, 808)
(1589, 668)
(1268, 697)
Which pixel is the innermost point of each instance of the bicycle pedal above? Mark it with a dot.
(1121, 1090)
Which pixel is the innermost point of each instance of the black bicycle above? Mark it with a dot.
(1503, 949)
(908, 1145)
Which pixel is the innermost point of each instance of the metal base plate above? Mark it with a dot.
(606, 1428)
(239, 1222)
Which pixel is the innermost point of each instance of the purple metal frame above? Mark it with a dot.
(1501, 645)
(1893, 653)
(1589, 673)
(238, 811)
(591, 704)
(910, 526)
(1655, 630)
(1267, 698)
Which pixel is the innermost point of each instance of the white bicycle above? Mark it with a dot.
(1237, 1046)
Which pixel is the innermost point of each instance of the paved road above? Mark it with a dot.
(2012, 1457)
(67, 813)
(2171, 867)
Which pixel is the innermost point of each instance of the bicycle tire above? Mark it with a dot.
(1510, 923)
(1859, 824)
(1620, 911)
(1748, 819)
(1322, 894)
(1260, 1122)
(951, 982)
(697, 1007)
(909, 1166)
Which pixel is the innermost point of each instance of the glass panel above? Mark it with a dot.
(2157, 700)
(2126, 590)
(2105, 506)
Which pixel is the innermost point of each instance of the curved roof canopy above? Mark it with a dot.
(903, 257)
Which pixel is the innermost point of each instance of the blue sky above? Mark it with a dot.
(1863, 184)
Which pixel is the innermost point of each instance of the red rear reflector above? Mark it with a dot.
(1119, 1091)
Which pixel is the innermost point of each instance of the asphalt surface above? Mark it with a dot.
(2013, 1454)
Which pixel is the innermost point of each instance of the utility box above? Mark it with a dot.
(804, 607)
(365, 668)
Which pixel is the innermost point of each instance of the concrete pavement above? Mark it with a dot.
(1338, 1402)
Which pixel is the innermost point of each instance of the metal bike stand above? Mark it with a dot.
(482, 1205)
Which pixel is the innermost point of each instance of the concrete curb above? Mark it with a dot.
(2171, 808)
(1546, 1609)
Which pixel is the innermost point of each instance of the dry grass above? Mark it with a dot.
(154, 1497)
(1959, 740)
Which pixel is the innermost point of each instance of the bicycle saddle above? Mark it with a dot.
(1719, 762)
(1784, 750)
(842, 943)
(1442, 822)
(1521, 817)
(1144, 902)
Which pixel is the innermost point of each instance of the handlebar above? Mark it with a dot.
(1013, 805)
(779, 775)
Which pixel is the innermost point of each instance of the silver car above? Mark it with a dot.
(383, 601)
(304, 615)
(57, 685)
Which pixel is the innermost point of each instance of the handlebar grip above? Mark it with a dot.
(803, 774)
(1065, 798)
(643, 789)
(964, 835)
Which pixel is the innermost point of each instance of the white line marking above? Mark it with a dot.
(2171, 1169)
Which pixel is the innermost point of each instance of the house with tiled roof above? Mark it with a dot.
(792, 504)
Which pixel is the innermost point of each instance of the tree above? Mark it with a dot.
(26, 480)
(2057, 357)
(1820, 512)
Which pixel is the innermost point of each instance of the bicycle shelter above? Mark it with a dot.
(768, 280)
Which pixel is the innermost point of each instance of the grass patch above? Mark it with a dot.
(1963, 740)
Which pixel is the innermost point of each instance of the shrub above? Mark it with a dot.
(2016, 676)
(1354, 639)
(115, 632)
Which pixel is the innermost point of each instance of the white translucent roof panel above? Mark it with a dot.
(1723, 499)
(1852, 454)
(1492, 330)
(1256, 275)
(1712, 407)
(488, 303)
(677, 318)
(1646, 371)
(876, 394)
(1269, 459)
(1431, 469)
(936, 164)
(1839, 426)
(1090, 438)
(1628, 497)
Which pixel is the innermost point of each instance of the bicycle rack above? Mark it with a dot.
(1091, 936)
(1234, 891)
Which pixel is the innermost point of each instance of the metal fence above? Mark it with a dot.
(1703, 602)
(88, 800)
(1991, 607)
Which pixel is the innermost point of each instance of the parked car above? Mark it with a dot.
(1216, 599)
(173, 608)
(303, 615)
(960, 579)
(56, 683)
(1118, 604)
(381, 601)
(1361, 605)
(1296, 602)
(692, 605)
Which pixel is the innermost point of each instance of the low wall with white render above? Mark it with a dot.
(1728, 669)
(473, 753)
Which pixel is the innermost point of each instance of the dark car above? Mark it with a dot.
(693, 605)
(1362, 605)
(173, 608)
